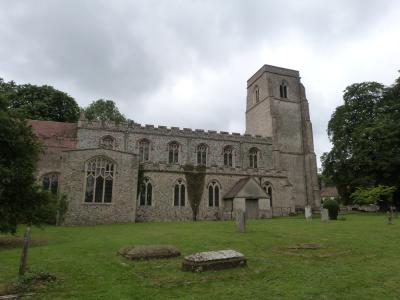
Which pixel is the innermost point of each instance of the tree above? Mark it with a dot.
(40, 102)
(365, 136)
(104, 110)
(21, 200)
(380, 195)
(195, 178)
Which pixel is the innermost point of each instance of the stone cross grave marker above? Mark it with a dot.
(324, 215)
(240, 221)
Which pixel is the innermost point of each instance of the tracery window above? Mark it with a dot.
(50, 182)
(283, 90)
(228, 156)
(99, 180)
(173, 153)
(202, 154)
(179, 193)
(146, 192)
(268, 189)
(144, 150)
(213, 194)
(256, 94)
(253, 158)
(107, 142)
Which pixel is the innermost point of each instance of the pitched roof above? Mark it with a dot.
(329, 191)
(56, 136)
(246, 188)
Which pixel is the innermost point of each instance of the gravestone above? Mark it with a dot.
(213, 260)
(149, 251)
(308, 212)
(324, 215)
(240, 221)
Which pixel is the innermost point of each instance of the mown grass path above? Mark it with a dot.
(360, 259)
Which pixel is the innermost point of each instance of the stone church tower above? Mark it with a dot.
(277, 107)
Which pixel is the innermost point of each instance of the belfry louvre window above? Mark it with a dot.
(253, 158)
(144, 149)
(213, 194)
(256, 94)
(146, 192)
(228, 155)
(173, 153)
(99, 180)
(50, 182)
(179, 193)
(202, 154)
(283, 90)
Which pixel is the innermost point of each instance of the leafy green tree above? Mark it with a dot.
(40, 102)
(21, 200)
(381, 195)
(104, 110)
(365, 136)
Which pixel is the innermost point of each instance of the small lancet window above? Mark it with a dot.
(213, 194)
(253, 158)
(228, 156)
(146, 193)
(256, 94)
(99, 180)
(268, 189)
(173, 153)
(202, 154)
(50, 183)
(144, 150)
(179, 193)
(283, 90)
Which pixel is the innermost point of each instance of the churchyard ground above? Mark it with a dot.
(358, 258)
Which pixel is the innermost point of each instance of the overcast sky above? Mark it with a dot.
(185, 63)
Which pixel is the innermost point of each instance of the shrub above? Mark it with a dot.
(333, 208)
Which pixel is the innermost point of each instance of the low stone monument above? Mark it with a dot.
(240, 221)
(324, 215)
(308, 212)
(213, 260)
(149, 252)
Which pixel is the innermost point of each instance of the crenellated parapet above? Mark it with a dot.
(132, 127)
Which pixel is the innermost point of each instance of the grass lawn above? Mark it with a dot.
(360, 259)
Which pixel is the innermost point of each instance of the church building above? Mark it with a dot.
(128, 172)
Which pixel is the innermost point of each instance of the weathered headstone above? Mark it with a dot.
(149, 252)
(240, 221)
(308, 212)
(324, 215)
(213, 260)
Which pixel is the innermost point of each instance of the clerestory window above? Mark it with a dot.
(253, 158)
(228, 156)
(144, 150)
(202, 154)
(173, 153)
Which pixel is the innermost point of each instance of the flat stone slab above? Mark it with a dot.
(149, 252)
(213, 260)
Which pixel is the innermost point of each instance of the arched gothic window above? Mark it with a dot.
(99, 180)
(253, 158)
(144, 150)
(283, 90)
(268, 189)
(173, 153)
(213, 194)
(179, 193)
(50, 182)
(146, 192)
(228, 156)
(202, 154)
(256, 94)
(107, 142)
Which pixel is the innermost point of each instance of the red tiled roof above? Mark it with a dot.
(56, 136)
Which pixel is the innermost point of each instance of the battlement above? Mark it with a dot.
(132, 127)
